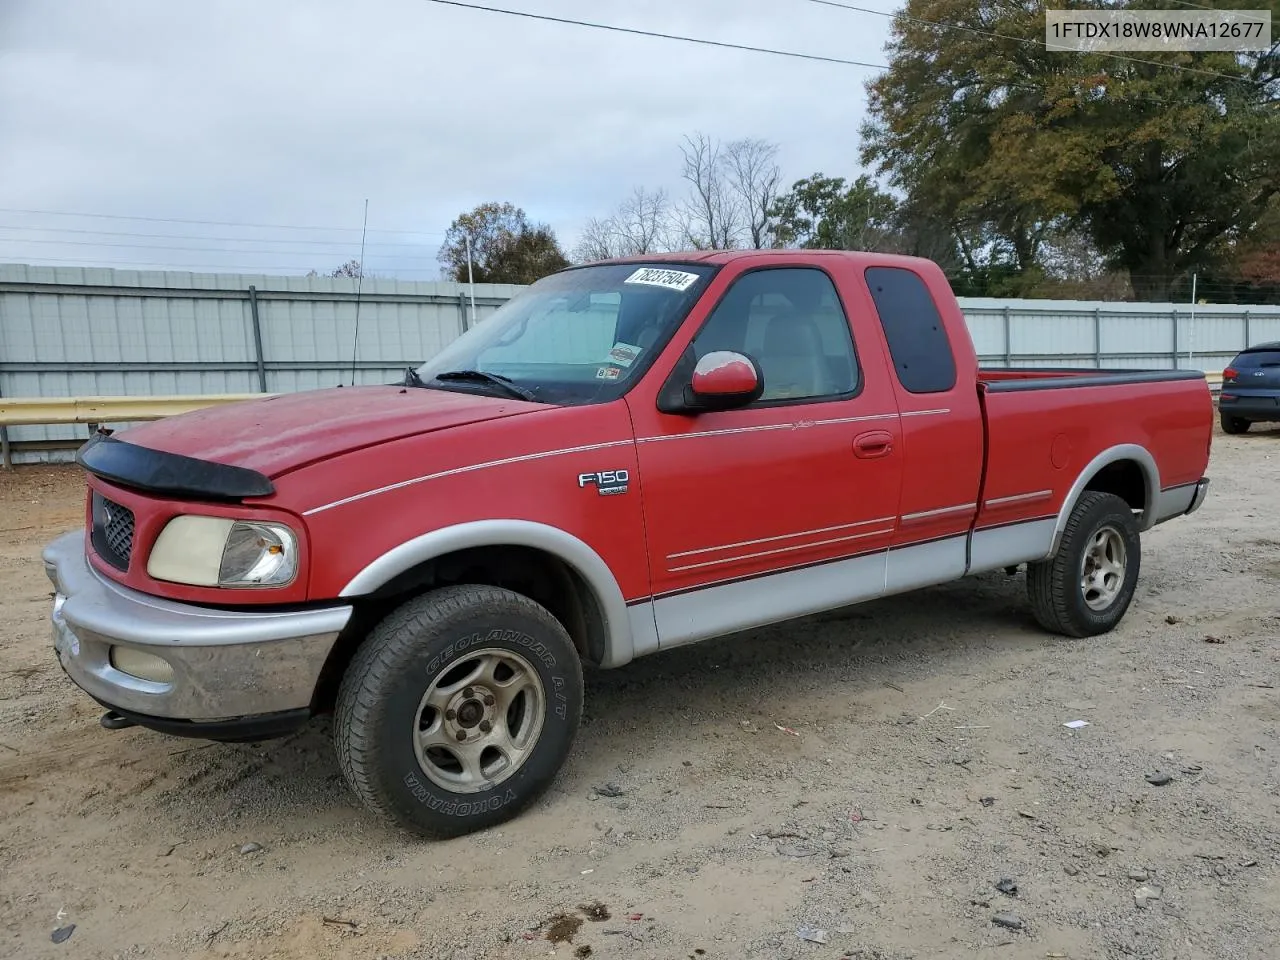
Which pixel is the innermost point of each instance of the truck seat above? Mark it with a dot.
(792, 358)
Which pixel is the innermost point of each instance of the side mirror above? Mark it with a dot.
(722, 380)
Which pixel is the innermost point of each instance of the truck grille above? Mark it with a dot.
(112, 531)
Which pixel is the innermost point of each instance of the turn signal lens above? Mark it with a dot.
(256, 554)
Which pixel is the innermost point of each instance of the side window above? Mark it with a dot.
(790, 320)
(913, 327)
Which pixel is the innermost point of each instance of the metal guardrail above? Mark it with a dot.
(22, 411)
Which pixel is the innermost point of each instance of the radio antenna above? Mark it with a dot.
(355, 339)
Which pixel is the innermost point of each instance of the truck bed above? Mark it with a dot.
(1002, 379)
(1048, 428)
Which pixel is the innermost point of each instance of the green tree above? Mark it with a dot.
(1249, 268)
(505, 247)
(1157, 167)
(826, 213)
(349, 270)
(829, 213)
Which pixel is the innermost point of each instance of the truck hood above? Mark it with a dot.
(278, 434)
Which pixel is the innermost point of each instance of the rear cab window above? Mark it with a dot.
(913, 327)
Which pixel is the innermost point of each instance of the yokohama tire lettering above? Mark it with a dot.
(455, 808)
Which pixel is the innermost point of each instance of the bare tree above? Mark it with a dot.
(754, 177)
(711, 217)
(599, 241)
(640, 224)
(732, 199)
(734, 187)
(643, 221)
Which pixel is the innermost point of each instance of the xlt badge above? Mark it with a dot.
(606, 482)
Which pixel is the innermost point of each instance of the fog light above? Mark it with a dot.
(144, 666)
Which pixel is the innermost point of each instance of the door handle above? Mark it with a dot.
(876, 443)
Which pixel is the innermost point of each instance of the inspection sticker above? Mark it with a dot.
(624, 354)
(671, 279)
(608, 373)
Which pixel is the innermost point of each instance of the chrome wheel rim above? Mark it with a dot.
(479, 720)
(1102, 568)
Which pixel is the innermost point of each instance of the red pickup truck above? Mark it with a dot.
(629, 456)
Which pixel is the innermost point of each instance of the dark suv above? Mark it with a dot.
(1251, 388)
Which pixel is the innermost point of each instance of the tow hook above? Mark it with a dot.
(113, 721)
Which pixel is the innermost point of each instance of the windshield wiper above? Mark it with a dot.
(497, 379)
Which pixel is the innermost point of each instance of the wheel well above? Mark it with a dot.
(538, 575)
(1125, 479)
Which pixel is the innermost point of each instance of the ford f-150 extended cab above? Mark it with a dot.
(629, 456)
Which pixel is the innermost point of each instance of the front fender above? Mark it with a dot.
(620, 639)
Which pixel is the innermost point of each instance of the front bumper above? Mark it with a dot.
(227, 665)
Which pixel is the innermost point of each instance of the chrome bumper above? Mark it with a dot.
(226, 664)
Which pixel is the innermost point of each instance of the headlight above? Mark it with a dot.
(219, 552)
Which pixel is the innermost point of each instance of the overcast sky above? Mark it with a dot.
(292, 112)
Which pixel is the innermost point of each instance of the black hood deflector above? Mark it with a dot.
(170, 474)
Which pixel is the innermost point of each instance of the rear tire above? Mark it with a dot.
(1232, 424)
(1086, 588)
(459, 710)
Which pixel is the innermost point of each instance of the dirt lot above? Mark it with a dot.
(926, 759)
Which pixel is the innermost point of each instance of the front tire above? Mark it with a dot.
(1232, 424)
(1086, 588)
(459, 710)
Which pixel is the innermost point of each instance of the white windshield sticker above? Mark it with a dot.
(671, 279)
(624, 354)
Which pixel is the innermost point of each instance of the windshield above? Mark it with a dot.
(579, 336)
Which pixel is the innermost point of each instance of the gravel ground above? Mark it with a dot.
(923, 760)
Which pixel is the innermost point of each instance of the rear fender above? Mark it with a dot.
(620, 642)
(1125, 451)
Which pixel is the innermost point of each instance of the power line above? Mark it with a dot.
(158, 246)
(169, 265)
(22, 227)
(1200, 6)
(1024, 40)
(213, 223)
(663, 36)
(809, 56)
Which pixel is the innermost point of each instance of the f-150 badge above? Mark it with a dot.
(606, 482)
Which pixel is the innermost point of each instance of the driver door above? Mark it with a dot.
(788, 504)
